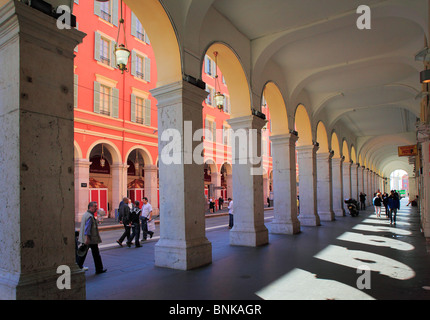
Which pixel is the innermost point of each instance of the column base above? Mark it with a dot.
(183, 255)
(339, 213)
(326, 216)
(42, 285)
(281, 227)
(249, 238)
(310, 221)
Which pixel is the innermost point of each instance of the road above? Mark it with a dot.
(109, 237)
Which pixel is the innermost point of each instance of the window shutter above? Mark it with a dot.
(133, 63)
(115, 13)
(147, 69)
(115, 102)
(97, 39)
(133, 108)
(133, 24)
(75, 92)
(96, 97)
(147, 38)
(147, 112)
(112, 45)
(97, 8)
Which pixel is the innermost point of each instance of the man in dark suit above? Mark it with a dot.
(124, 218)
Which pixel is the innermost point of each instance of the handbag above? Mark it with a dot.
(151, 225)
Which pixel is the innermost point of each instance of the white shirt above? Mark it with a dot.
(230, 207)
(146, 209)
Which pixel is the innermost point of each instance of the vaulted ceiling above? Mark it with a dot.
(361, 82)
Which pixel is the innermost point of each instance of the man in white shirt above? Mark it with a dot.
(230, 213)
(146, 218)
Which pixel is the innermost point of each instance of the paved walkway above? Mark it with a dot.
(319, 263)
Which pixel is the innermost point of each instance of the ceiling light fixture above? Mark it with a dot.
(121, 52)
(219, 97)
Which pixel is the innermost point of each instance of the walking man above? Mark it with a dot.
(146, 218)
(124, 218)
(135, 224)
(89, 236)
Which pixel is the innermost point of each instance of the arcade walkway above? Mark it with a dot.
(398, 258)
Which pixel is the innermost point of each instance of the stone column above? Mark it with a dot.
(248, 204)
(346, 183)
(229, 178)
(151, 186)
(37, 222)
(82, 179)
(119, 183)
(285, 219)
(360, 181)
(337, 182)
(354, 181)
(366, 186)
(425, 196)
(308, 185)
(216, 181)
(183, 244)
(324, 187)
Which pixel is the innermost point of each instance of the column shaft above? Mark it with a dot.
(324, 187)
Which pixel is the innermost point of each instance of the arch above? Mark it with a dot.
(77, 150)
(335, 147)
(112, 148)
(146, 155)
(235, 78)
(277, 108)
(163, 39)
(322, 138)
(345, 151)
(353, 155)
(303, 126)
(228, 167)
(212, 165)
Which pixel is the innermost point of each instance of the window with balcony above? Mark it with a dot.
(104, 50)
(140, 66)
(107, 10)
(106, 99)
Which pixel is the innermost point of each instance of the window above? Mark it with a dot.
(211, 126)
(137, 29)
(209, 66)
(210, 97)
(104, 50)
(140, 66)
(227, 106)
(106, 99)
(140, 110)
(107, 10)
(226, 134)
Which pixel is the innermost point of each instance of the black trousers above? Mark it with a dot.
(96, 256)
(125, 234)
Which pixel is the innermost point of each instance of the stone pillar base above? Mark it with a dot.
(280, 227)
(326, 216)
(310, 221)
(183, 255)
(250, 237)
(42, 285)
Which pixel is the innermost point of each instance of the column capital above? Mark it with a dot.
(247, 122)
(288, 138)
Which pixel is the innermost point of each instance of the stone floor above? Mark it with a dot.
(326, 262)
